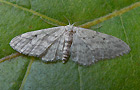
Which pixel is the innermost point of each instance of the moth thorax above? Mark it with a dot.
(67, 45)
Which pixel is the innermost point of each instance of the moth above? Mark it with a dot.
(83, 46)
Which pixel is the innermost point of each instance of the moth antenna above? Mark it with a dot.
(48, 22)
(74, 23)
(67, 20)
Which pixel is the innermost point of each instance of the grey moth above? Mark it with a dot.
(83, 46)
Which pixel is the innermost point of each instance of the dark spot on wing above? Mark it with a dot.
(35, 35)
(103, 38)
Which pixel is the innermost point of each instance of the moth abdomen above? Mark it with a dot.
(66, 51)
(67, 45)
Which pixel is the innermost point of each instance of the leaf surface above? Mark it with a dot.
(22, 72)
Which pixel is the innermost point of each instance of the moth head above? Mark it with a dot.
(69, 27)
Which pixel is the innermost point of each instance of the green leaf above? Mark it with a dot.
(23, 72)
